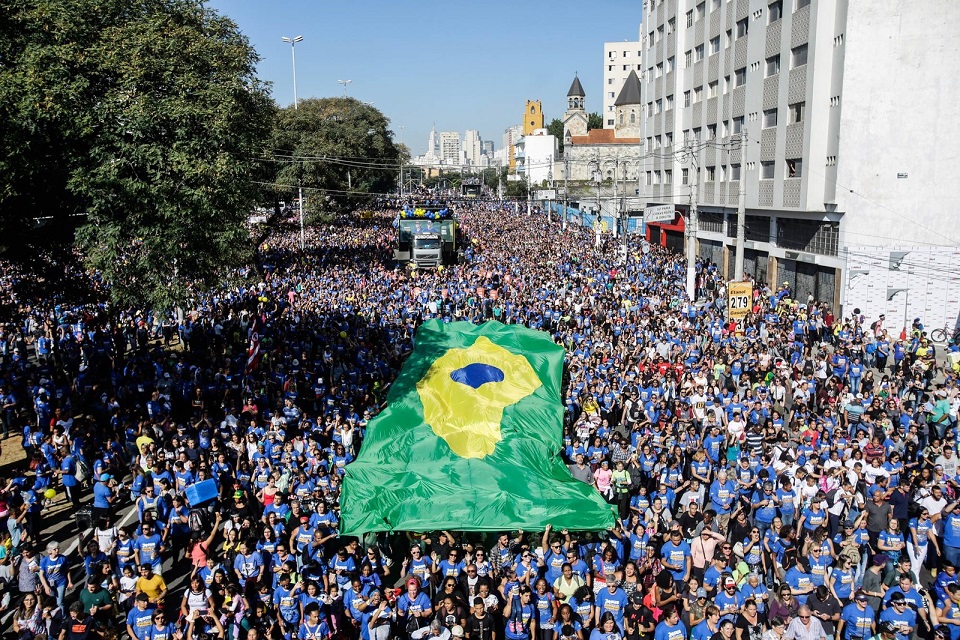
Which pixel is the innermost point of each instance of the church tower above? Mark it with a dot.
(628, 108)
(533, 117)
(575, 117)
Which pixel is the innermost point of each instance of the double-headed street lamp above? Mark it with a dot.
(293, 53)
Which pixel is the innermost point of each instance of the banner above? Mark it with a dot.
(739, 299)
(470, 440)
(659, 213)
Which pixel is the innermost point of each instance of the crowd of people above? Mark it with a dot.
(792, 476)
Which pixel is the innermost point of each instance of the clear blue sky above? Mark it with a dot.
(462, 65)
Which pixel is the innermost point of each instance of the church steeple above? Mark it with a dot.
(575, 95)
(575, 119)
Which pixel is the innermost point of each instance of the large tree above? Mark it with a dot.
(147, 117)
(340, 150)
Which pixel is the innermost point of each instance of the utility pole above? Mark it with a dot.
(741, 212)
(691, 228)
(293, 56)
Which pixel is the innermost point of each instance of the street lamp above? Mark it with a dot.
(293, 54)
(344, 83)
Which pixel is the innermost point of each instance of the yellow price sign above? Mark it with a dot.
(739, 299)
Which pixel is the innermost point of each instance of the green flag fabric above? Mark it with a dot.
(470, 440)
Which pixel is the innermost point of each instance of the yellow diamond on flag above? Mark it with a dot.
(466, 390)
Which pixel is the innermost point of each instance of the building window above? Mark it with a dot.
(609, 122)
(766, 170)
(711, 174)
(633, 118)
(669, 104)
(668, 176)
(738, 124)
(701, 11)
(714, 45)
(722, 173)
(714, 5)
(621, 118)
(794, 168)
(697, 94)
(769, 118)
(533, 109)
(696, 133)
(687, 59)
(671, 25)
(740, 77)
(671, 64)
(796, 112)
(734, 173)
(656, 177)
(773, 65)
(727, 85)
(774, 11)
(684, 176)
(689, 18)
(729, 39)
(649, 178)
(668, 139)
(698, 53)
(712, 89)
(658, 106)
(742, 28)
(609, 80)
(659, 142)
(798, 56)
(659, 70)
(711, 132)
(801, 4)
(649, 109)
(686, 98)
(612, 94)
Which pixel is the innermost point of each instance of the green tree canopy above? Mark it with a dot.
(594, 121)
(147, 116)
(338, 149)
(555, 128)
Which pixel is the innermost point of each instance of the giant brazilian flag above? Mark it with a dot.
(470, 440)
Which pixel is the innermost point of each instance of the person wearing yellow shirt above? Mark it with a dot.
(151, 585)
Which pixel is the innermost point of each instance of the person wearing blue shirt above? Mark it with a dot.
(140, 618)
(764, 504)
(903, 617)
(676, 556)
(920, 538)
(54, 573)
(670, 627)
(728, 600)
(248, 565)
(102, 497)
(148, 547)
(856, 620)
(611, 599)
(800, 581)
(722, 496)
(710, 625)
(819, 563)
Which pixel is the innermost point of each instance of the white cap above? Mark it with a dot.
(456, 631)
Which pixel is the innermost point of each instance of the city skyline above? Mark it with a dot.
(420, 77)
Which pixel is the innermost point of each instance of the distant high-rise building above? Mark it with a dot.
(488, 149)
(450, 147)
(472, 147)
(433, 144)
(510, 137)
(619, 59)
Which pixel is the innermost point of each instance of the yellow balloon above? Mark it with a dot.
(50, 494)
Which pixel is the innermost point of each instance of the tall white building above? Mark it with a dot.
(450, 147)
(472, 147)
(619, 59)
(433, 144)
(847, 116)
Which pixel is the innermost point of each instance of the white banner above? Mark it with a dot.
(659, 213)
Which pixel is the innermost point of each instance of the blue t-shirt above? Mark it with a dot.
(101, 493)
(614, 602)
(666, 632)
(55, 569)
(140, 622)
(858, 624)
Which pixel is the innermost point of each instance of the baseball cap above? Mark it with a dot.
(729, 582)
(888, 627)
(456, 631)
(898, 597)
(701, 593)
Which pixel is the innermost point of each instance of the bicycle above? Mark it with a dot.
(941, 335)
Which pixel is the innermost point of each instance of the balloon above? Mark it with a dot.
(343, 334)
(50, 494)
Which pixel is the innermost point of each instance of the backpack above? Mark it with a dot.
(197, 521)
(83, 470)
